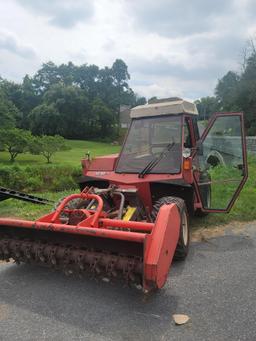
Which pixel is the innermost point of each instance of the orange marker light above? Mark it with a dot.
(186, 164)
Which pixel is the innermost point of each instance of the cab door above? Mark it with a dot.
(220, 163)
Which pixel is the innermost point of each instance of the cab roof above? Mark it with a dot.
(174, 107)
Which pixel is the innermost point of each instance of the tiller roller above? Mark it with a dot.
(84, 234)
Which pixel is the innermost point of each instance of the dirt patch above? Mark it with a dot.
(238, 227)
(4, 311)
(5, 262)
(204, 233)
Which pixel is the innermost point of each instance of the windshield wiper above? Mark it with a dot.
(155, 161)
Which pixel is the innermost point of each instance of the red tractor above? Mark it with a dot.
(131, 218)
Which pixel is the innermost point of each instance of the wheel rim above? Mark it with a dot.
(185, 228)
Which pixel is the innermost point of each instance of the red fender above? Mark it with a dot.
(160, 246)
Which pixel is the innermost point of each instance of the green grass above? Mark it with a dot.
(244, 208)
(70, 157)
(25, 210)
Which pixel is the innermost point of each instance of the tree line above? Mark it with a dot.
(235, 91)
(83, 102)
(73, 101)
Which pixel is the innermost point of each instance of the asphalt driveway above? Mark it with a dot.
(216, 287)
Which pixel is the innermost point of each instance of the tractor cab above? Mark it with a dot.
(164, 153)
(158, 137)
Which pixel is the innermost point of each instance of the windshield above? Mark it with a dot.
(149, 138)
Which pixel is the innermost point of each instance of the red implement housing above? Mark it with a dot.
(157, 241)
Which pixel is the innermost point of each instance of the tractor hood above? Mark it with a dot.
(101, 163)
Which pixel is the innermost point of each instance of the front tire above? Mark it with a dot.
(182, 248)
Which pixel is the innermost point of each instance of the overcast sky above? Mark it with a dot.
(171, 47)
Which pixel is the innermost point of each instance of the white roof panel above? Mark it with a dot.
(164, 108)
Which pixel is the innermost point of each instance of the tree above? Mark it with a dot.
(67, 73)
(103, 115)
(9, 114)
(46, 77)
(120, 77)
(73, 107)
(58, 99)
(246, 99)
(106, 88)
(152, 99)
(29, 100)
(44, 120)
(227, 90)
(87, 78)
(15, 141)
(236, 92)
(47, 146)
(206, 106)
(12, 91)
(140, 100)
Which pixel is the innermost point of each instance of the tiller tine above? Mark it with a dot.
(139, 252)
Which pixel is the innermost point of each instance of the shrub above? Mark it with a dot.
(47, 146)
(63, 183)
(15, 141)
(39, 178)
(34, 184)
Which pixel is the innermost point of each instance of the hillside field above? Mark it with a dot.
(70, 157)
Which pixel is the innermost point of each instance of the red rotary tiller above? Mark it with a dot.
(141, 252)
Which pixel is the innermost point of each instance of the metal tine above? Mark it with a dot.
(71, 260)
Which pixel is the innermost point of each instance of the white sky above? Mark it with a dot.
(171, 47)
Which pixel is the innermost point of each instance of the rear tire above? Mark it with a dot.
(182, 248)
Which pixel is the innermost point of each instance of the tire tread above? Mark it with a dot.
(181, 251)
